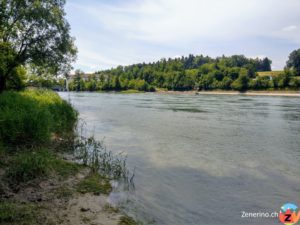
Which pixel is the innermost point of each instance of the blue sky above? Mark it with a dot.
(122, 32)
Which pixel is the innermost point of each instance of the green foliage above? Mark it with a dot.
(22, 42)
(7, 57)
(16, 213)
(127, 220)
(2, 155)
(17, 79)
(29, 165)
(130, 91)
(94, 183)
(187, 73)
(44, 81)
(31, 116)
(260, 83)
(294, 62)
(64, 168)
(240, 84)
(94, 154)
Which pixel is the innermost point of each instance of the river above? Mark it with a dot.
(201, 159)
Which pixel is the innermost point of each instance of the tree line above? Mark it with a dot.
(199, 72)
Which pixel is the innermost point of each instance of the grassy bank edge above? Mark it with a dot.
(27, 164)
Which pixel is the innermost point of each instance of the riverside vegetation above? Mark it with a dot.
(36, 179)
(39, 181)
(193, 73)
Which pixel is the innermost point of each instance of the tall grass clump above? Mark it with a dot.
(94, 154)
(32, 116)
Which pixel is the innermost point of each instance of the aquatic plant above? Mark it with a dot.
(94, 154)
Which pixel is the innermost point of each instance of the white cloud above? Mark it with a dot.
(289, 28)
(133, 31)
(175, 20)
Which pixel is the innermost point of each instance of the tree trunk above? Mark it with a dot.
(2, 83)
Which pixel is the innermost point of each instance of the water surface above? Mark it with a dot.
(201, 159)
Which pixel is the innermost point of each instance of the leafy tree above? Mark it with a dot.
(226, 83)
(294, 83)
(91, 84)
(34, 32)
(265, 65)
(117, 84)
(78, 84)
(205, 82)
(294, 62)
(240, 84)
(17, 79)
(283, 79)
(260, 83)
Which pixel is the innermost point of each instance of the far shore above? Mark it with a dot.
(249, 93)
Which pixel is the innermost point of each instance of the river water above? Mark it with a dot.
(201, 159)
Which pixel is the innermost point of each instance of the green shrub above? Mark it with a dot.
(241, 83)
(31, 116)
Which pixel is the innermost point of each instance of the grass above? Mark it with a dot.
(16, 213)
(63, 192)
(29, 165)
(64, 168)
(93, 153)
(32, 123)
(131, 91)
(270, 73)
(30, 117)
(94, 183)
(127, 220)
(2, 155)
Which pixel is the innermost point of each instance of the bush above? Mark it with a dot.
(240, 84)
(31, 116)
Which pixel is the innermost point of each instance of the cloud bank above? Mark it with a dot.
(111, 33)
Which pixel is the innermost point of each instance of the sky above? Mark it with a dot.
(109, 33)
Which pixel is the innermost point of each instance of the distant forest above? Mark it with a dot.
(188, 73)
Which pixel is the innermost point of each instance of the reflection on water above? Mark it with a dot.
(201, 159)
